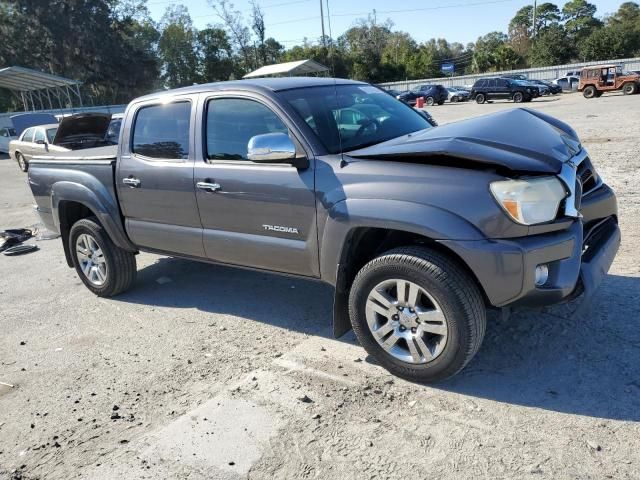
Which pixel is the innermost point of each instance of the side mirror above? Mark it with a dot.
(274, 148)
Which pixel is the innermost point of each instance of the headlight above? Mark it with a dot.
(530, 201)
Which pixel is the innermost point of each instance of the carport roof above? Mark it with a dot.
(301, 67)
(20, 79)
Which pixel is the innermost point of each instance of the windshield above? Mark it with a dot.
(349, 117)
(51, 134)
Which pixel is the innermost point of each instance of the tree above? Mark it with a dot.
(492, 52)
(551, 48)
(628, 13)
(177, 48)
(547, 15)
(215, 55)
(238, 32)
(579, 18)
(521, 30)
(611, 42)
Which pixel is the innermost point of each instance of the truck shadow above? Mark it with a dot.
(584, 365)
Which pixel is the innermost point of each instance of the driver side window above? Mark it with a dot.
(231, 122)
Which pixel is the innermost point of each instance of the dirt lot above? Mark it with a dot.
(224, 374)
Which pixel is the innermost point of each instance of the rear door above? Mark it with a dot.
(260, 215)
(155, 176)
(502, 88)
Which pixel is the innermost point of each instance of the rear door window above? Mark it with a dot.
(162, 131)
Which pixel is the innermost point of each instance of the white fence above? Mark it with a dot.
(540, 73)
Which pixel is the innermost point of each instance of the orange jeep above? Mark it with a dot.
(596, 80)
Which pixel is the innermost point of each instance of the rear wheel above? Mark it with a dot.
(518, 97)
(589, 91)
(103, 267)
(441, 102)
(429, 101)
(480, 98)
(629, 88)
(22, 163)
(417, 313)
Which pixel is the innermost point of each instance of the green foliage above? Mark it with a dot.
(551, 48)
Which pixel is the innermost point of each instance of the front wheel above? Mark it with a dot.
(418, 313)
(22, 163)
(518, 97)
(429, 101)
(103, 267)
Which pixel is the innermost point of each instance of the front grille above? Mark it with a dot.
(587, 177)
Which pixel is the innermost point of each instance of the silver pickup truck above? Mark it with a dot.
(419, 228)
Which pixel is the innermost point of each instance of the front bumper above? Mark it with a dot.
(578, 257)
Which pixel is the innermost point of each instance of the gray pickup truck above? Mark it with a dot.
(419, 228)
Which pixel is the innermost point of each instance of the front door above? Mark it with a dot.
(155, 177)
(256, 215)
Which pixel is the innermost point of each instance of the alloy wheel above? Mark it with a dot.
(91, 259)
(406, 321)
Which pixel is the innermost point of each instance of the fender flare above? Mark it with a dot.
(347, 215)
(98, 200)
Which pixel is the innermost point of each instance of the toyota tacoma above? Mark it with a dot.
(420, 229)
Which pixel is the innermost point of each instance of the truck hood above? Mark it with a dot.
(518, 140)
(82, 125)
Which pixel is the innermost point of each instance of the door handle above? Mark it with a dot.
(208, 187)
(132, 182)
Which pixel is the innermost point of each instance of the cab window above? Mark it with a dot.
(231, 122)
(162, 131)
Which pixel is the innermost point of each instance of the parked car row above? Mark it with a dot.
(515, 87)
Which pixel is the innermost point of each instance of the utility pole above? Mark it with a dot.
(535, 7)
(324, 40)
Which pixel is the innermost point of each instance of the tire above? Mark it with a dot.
(589, 91)
(429, 101)
(441, 102)
(518, 97)
(480, 98)
(629, 88)
(454, 99)
(454, 299)
(119, 265)
(22, 163)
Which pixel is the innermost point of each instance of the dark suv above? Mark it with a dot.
(502, 88)
(432, 94)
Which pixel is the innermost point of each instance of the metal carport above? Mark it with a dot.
(290, 69)
(39, 89)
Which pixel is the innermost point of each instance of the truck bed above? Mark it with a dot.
(88, 155)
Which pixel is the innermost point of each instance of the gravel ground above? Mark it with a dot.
(184, 377)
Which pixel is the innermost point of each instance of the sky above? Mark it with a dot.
(290, 21)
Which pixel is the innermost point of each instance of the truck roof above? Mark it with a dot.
(256, 84)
